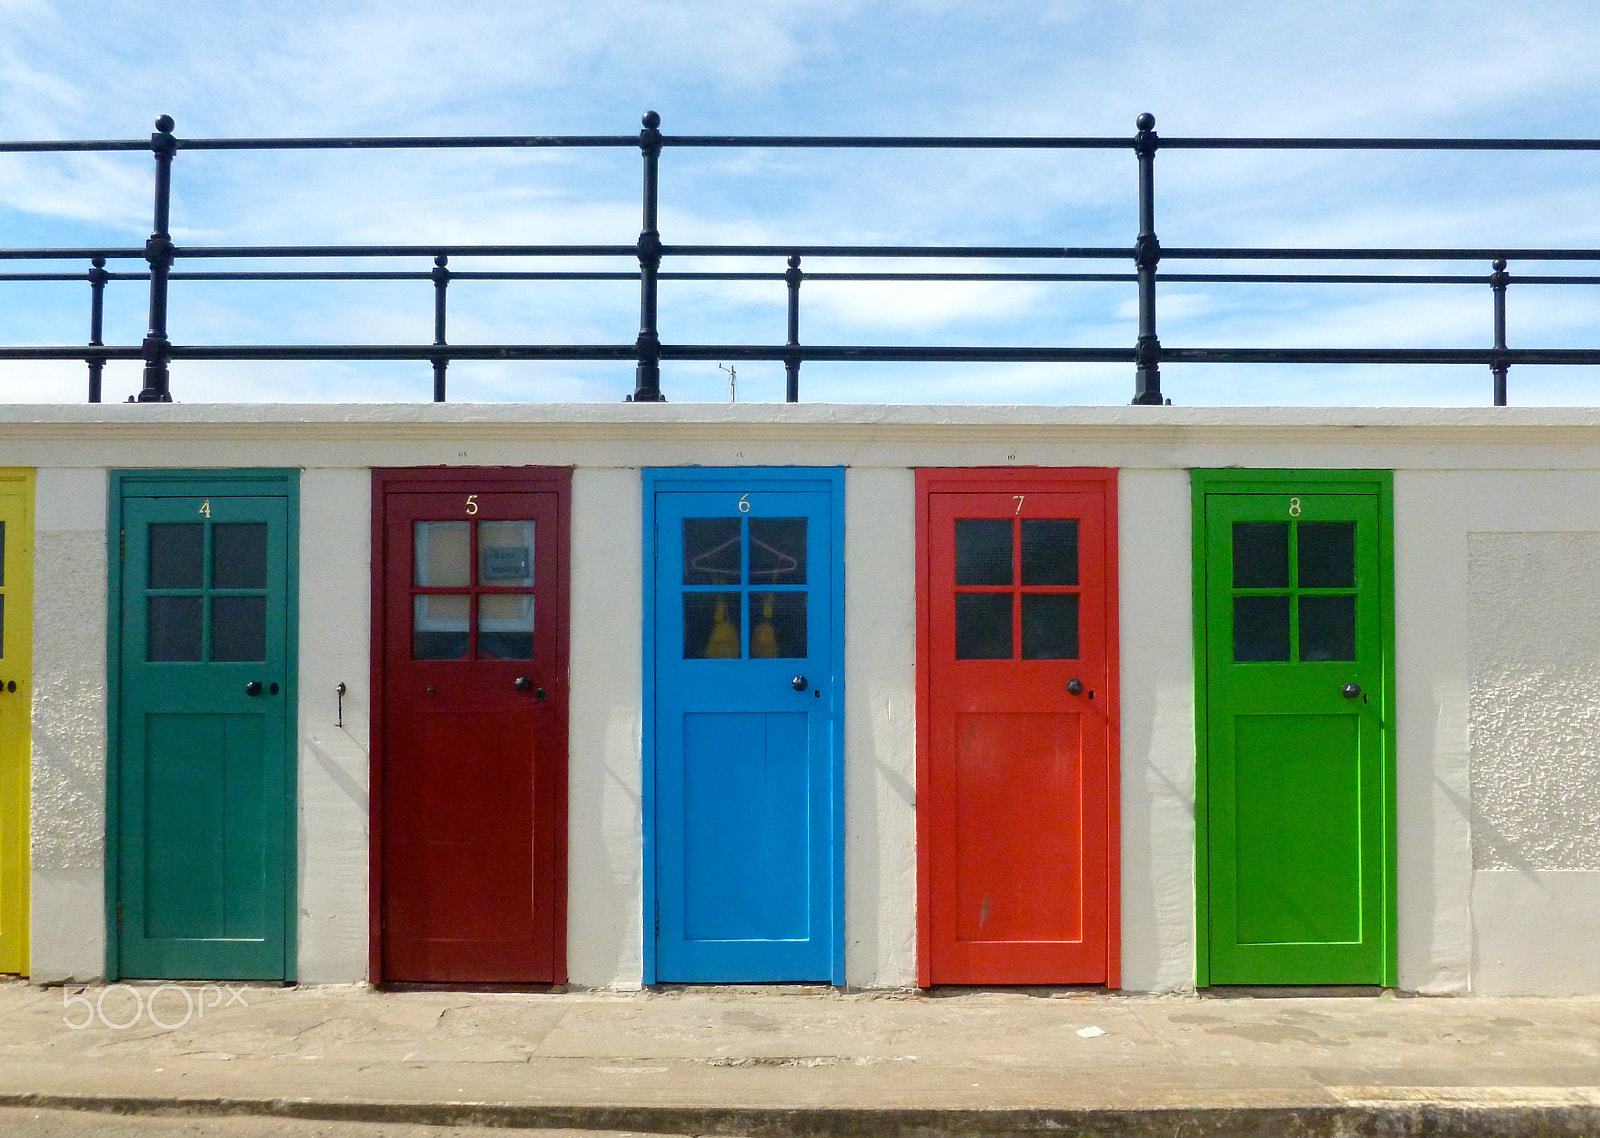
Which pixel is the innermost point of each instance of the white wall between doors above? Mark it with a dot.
(1465, 481)
(68, 825)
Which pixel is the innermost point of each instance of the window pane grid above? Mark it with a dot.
(486, 564)
(1033, 563)
(1279, 546)
(744, 588)
(206, 595)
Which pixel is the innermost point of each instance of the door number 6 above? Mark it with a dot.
(1294, 507)
(744, 504)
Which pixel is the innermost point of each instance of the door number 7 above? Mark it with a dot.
(1017, 498)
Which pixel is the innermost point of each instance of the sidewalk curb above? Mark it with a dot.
(1406, 1120)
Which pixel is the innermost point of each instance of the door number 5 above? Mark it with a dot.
(1294, 507)
(472, 503)
(744, 503)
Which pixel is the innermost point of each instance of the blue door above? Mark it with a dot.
(743, 698)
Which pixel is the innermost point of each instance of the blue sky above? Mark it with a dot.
(1464, 68)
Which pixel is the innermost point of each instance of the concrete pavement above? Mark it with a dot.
(794, 1060)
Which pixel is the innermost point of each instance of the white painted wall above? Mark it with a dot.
(1158, 740)
(605, 843)
(335, 632)
(67, 911)
(1458, 473)
(880, 714)
(1496, 927)
(1433, 792)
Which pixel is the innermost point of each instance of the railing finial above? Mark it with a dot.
(647, 347)
(1146, 254)
(158, 251)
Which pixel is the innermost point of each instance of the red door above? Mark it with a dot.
(1017, 719)
(470, 758)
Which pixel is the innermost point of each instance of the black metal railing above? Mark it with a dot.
(647, 350)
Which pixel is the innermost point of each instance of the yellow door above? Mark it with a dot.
(16, 688)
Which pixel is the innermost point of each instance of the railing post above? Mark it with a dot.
(1146, 254)
(1498, 280)
(441, 281)
(647, 376)
(158, 251)
(97, 314)
(791, 357)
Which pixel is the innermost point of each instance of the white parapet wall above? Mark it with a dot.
(1497, 563)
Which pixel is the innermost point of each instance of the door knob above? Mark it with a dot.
(522, 683)
(1350, 691)
(253, 688)
(1075, 686)
(799, 683)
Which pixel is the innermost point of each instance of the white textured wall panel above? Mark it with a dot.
(1535, 620)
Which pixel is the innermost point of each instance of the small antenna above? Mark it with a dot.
(733, 381)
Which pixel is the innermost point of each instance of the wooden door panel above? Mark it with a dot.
(16, 697)
(469, 767)
(206, 839)
(746, 854)
(744, 660)
(1297, 829)
(1016, 727)
(1019, 828)
(1296, 783)
(204, 787)
(461, 849)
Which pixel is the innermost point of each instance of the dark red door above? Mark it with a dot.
(1017, 717)
(470, 774)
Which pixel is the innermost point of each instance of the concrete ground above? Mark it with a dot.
(748, 1060)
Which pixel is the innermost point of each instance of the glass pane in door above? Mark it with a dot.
(443, 558)
(439, 627)
(177, 555)
(777, 625)
(239, 628)
(505, 626)
(239, 555)
(505, 555)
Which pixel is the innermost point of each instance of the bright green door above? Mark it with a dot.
(16, 701)
(204, 777)
(1296, 747)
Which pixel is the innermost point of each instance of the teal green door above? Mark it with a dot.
(204, 804)
(1297, 784)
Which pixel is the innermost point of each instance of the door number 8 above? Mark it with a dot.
(1294, 507)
